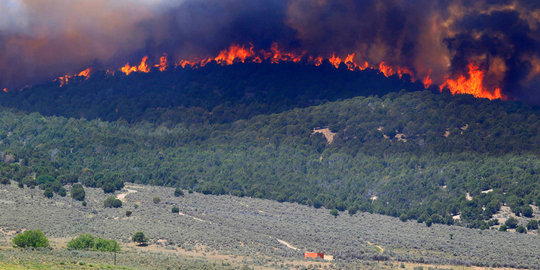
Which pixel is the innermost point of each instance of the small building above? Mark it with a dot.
(313, 255)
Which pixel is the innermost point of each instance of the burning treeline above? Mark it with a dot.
(486, 48)
(471, 83)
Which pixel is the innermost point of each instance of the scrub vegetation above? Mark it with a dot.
(435, 158)
(236, 231)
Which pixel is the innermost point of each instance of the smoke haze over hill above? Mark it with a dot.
(42, 39)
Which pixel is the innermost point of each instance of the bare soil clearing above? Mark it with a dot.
(328, 134)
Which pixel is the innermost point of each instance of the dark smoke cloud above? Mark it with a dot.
(40, 39)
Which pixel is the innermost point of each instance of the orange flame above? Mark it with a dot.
(335, 61)
(473, 85)
(64, 80)
(5, 90)
(85, 73)
(162, 66)
(143, 67)
(234, 53)
(386, 70)
(427, 80)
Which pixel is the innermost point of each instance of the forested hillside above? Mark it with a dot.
(214, 94)
(409, 154)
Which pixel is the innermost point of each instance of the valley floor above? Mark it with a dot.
(230, 232)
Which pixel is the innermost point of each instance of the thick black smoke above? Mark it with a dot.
(40, 39)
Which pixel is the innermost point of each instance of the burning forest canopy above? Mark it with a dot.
(486, 48)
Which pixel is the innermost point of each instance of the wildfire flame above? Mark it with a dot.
(427, 80)
(5, 90)
(143, 67)
(473, 85)
(162, 66)
(65, 79)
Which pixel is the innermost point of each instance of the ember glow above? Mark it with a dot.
(472, 83)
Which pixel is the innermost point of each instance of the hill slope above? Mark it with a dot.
(214, 93)
(413, 154)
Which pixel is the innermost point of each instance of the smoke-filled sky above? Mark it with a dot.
(41, 39)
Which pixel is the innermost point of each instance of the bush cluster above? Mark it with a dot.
(35, 239)
(89, 242)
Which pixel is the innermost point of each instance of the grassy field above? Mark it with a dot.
(230, 232)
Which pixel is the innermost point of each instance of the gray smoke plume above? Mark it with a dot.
(41, 39)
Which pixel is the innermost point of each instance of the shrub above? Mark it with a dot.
(139, 238)
(503, 228)
(403, 217)
(511, 223)
(128, 213)
(45, 179)
(62, 192)
(175, 209)
(84, 241)
(77, 192)
(532, 225)
(108, 188)
(84, 203)
(33, 239)
(156, 200)
(112, 202)
(527, 211)
(521, 229)
(48, 193)
(89, 242)
(5, 181)
(429, 222)
(29, 182)
(334, 212)
(106, 245)
(178, 192)
(352, 210)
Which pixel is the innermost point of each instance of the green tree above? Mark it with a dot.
(527, 211)
(139, 238)
(77, 192)
(83, 241)
(511, 223)
(33, 239)
(112, 202)
(521, 229)
(178, 192)
(62, 192)
(403, 217)
(48, 193)
(156, 200)
(532, 224)
(128, 213)
(89, 242)
(106, 245)
(175, 209)
(334, 212)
